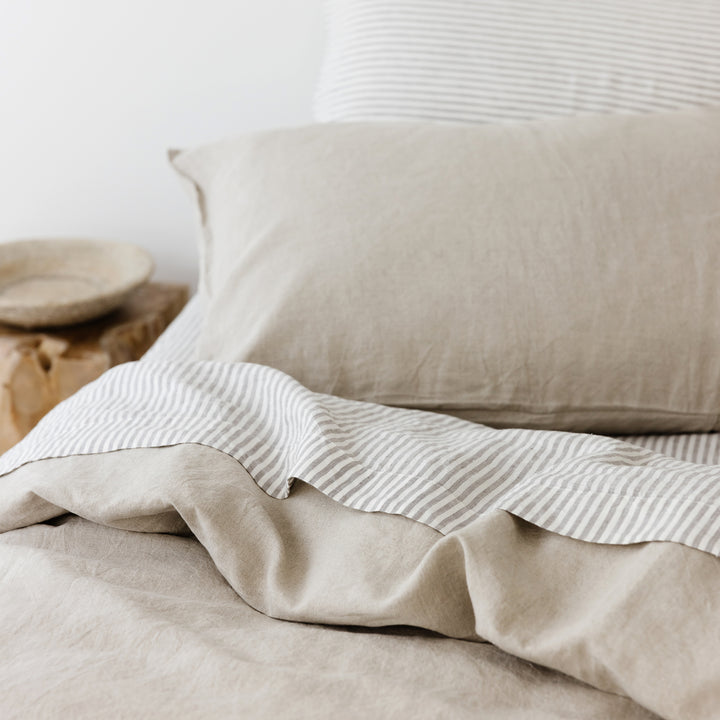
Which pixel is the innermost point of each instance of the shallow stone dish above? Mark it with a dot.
(46, 283)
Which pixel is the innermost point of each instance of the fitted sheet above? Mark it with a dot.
(178, 340)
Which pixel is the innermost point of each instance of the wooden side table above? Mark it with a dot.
(39, 368)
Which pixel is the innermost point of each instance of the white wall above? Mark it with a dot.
(93, 92)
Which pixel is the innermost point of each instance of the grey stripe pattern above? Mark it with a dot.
(703, 448)
(497, 60)
(432, 468)
(180, 337)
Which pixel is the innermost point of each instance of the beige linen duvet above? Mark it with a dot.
(136, 613)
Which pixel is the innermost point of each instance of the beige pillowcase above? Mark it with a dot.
(555, 274)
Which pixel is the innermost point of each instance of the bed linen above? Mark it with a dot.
(598, 613)
(551, 274)
(179, 339)
(134, 616)
(129, 616)
(428, 467)
(141, 625)
(505, 60)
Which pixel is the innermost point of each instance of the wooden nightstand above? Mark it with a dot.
(39, 368)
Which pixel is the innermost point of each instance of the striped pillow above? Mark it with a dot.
(494, 60)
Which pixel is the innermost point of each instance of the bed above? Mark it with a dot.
(443, 439)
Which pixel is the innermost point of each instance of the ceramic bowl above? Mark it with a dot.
(46, 283)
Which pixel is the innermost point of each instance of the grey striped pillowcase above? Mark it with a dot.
(498, 60)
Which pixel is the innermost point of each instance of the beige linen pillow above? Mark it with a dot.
(557, 274)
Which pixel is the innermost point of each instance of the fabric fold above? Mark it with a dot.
(437, 470)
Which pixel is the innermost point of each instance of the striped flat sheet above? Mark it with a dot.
(432, 468)
(500, 60)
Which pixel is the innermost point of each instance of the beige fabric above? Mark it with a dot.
(550, 274)
(639, 620)
(104, 623)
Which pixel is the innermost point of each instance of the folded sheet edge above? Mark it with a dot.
(438, 470)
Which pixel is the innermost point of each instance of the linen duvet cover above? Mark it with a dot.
(155, 575)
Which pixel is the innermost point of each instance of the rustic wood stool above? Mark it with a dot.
(39, 368)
